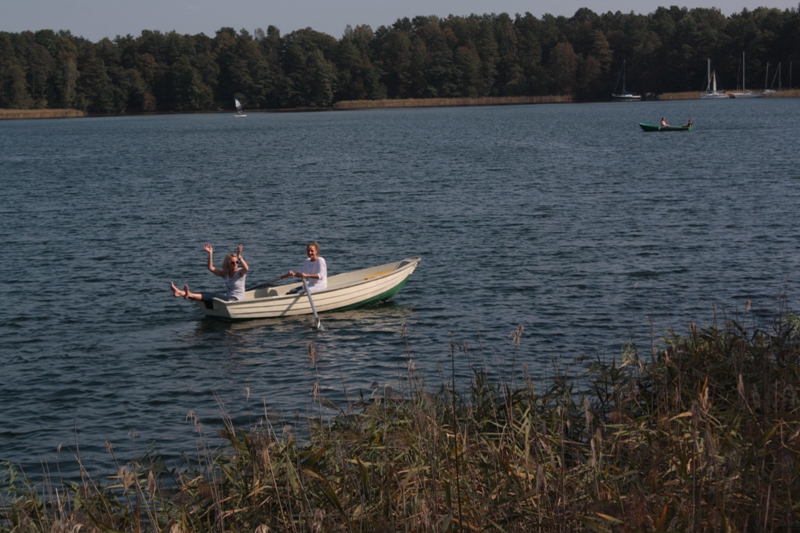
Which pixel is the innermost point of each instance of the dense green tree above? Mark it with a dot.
(358, 78)
(64, 82)
(14, 92)
(564, 68)
(307, 59)
(423, 56)
(394, 60)
(270, 44)
(95, 90)
(487, 49)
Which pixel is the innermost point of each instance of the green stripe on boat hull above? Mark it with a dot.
(379, 298)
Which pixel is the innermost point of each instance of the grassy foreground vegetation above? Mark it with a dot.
(699, 433)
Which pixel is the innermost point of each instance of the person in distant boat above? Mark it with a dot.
(315, 270)
(689, 124)
(233, 272)
(664, 123)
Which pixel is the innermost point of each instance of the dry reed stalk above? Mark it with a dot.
(40, 113)
(689, 95)
(788, 93)
(704, 437)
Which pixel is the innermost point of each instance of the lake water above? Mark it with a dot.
(566, 219)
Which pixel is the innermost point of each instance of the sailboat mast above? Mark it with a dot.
(624, 75)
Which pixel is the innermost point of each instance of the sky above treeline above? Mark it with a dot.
(96, 19)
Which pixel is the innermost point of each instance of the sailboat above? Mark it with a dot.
(624, 96)
(777, 75)
(711, 88)
(745, 93)
(238, 108)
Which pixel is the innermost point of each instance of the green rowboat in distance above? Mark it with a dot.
(658, 127)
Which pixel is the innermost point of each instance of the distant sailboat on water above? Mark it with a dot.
(238, 108)
(745, 93)
(625, 95)
(711, 88)
(777, 75)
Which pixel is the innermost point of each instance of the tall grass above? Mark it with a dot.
(701, 433)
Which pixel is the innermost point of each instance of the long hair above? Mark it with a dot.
(227, 262)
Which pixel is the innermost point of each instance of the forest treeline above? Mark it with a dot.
(424, 57)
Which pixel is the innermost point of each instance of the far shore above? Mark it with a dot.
(386, 103)
(40, 113)
(695, 95)
(447, 102)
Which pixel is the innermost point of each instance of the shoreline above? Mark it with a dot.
(695, 95)
(346, 105)
(17, 114)
(451, 102)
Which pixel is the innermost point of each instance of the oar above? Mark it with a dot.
(313, 309)
(266, 284)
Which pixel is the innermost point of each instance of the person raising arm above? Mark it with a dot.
(233, 272)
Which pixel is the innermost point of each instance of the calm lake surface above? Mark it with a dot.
(566, 219)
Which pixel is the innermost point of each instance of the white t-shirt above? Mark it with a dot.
(235, 285)
(316, 267)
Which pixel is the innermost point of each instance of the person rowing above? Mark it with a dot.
(315, 270)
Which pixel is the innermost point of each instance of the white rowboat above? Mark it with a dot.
(345, 291)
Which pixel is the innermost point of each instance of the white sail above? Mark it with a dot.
(711, 89)
(238, 108)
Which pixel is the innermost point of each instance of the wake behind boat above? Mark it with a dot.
(349, 290)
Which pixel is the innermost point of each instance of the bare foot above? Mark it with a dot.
(186, 292)
(176, 292)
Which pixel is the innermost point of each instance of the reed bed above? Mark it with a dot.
(690, 95)
(40, 113)
(700, 433)
(444, 102)
(694, 95)
(786, 93)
